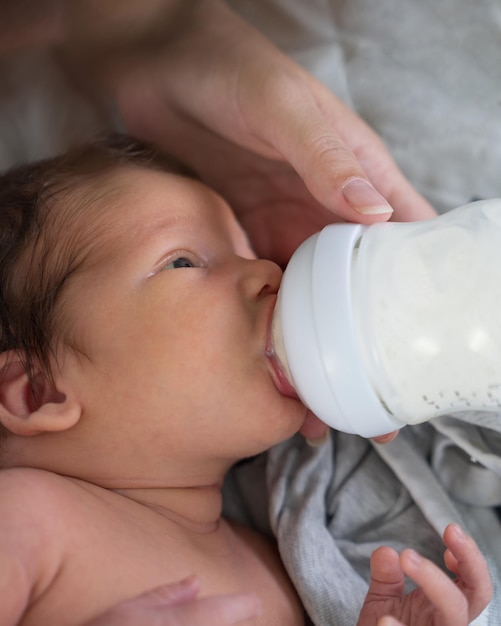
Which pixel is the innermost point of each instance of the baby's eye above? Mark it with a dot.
(180, 260)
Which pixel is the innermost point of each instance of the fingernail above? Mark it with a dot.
(459, 532)
(414, 557)
(382, 439)
(362, 197)
(320, 441)
(387, 620)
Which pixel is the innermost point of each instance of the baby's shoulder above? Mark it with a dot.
(33, 534)
(25, 487)
(28, 487)
(35, 500)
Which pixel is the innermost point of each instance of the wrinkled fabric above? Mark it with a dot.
(330, 507)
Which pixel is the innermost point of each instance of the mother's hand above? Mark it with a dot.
(285, 152)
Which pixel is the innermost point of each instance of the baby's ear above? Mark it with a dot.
(32, 407)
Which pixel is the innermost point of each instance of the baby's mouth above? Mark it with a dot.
(279, 378)
(279, 375)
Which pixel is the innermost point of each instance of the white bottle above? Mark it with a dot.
(395, 323)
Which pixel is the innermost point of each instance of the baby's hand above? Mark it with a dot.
(438, 600)
(178, 605)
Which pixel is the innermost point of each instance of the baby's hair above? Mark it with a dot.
(38, 202)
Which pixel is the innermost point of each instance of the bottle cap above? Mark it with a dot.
(322, 350)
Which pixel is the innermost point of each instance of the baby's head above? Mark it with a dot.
(134, 321)
(45, 235)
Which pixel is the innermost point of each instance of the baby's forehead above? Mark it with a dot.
(125, 205)
(78, 223)
(140, 198)
(83, 215)
(105, 205)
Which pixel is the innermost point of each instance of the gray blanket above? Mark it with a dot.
(331, 506)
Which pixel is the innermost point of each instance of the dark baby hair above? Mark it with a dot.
(38, 201)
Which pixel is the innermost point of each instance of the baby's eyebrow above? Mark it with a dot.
(159, 225)
(144, 232)
(158, 231)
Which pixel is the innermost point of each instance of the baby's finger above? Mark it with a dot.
(387, 578)
(387, 437)
(180, 592)
(450, 604)
(165, 607)
(225, 610)
(388, 620)
(473, 576)
(451, 562)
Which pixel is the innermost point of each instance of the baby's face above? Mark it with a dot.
(173, 318)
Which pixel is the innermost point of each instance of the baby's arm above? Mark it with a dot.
(15, 583)
(438, 600)
(14, 592)
(28, 560)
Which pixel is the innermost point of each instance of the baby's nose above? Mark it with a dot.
(260, 277)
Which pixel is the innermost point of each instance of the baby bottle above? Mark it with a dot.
(395, 323)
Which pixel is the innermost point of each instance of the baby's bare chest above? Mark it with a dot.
(110, 557)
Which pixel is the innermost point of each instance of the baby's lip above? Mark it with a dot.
(279, 378)
(281, 381)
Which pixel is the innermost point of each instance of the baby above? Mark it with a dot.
(136, 370)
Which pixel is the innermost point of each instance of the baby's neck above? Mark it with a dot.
(198, 509)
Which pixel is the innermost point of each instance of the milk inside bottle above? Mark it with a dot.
(395, 323)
